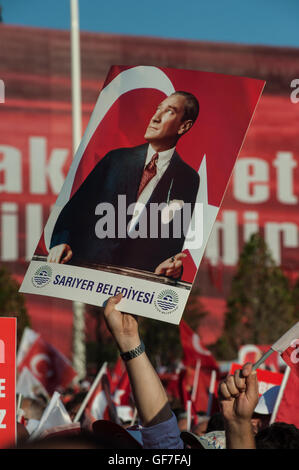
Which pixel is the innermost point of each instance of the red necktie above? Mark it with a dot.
(148, 173)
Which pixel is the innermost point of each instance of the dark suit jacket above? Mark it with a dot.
(119, 173)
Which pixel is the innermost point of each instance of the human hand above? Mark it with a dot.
(172, 267)
(56, 253)
(122, 326)
(238, 394)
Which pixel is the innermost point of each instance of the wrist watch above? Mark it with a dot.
(126, 356)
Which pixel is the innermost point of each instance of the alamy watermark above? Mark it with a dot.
(175, 219)
(2, 91)
(294, 96)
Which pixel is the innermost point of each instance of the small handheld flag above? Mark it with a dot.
(281, 344)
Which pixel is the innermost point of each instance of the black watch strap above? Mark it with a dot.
(126, 356)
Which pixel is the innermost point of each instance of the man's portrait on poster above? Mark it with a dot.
(150, 176)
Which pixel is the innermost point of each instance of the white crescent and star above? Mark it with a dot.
(36, 360)
(197, 346)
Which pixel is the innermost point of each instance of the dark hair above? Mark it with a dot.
(278, 436)
(191, 106)
(216, 423)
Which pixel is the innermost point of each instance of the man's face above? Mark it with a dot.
(166, 125)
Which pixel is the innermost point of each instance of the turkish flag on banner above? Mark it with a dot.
(193, 350)
(288, 411)
(291, 356)
(48, 365)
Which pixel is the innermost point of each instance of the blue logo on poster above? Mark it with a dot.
(42, 276)
(167, 301)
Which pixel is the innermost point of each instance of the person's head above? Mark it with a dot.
(174, 116)
(201, 427)
(33, 408)
(182, 421)
(278, 436)
(259, 421)
(216, 423)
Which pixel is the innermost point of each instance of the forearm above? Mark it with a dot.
(149, 394)
(148, 391)
(239, 434)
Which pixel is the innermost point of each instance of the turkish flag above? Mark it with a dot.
(48, 365)
(98, 405)
(116, 374)
(201, 398)
(291, 356)
(193, 349)
(288, 411)
(101, 405)
(122, 392)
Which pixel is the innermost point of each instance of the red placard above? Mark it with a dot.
(8, 328)
(266, 379)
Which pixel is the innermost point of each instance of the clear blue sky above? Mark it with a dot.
(268, 22)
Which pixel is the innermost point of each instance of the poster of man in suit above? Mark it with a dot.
(145, 186)
(148, 174)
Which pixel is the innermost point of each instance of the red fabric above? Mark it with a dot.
(201, 400)
(116, 374)
(121, 395)
(200, 403)
(288, 411)
(253, 352)
(216, 275)
(170, 382)
(291, 356)
(104, 399)
(98, 406)
(184, 386)
(48, 365)
(193, 350)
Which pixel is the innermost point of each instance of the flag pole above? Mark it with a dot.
(79, 350)
(100, 374)
(281, 344)
(189, 404)
(262, 359)
(19, 409)
(134, 417)
(280, 394)
(195, 380)
(211, 392)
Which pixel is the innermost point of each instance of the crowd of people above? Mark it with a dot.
(157, 425)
